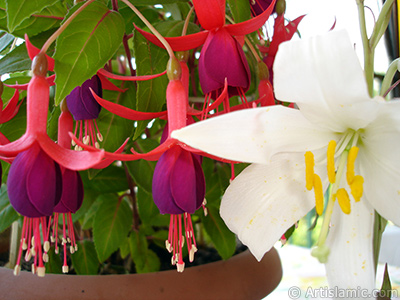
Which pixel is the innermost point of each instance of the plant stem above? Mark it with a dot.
(151, 27)
(185, 26)
(368, 52)
(54, 36)
(387, 80)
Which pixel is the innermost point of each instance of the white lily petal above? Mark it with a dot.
(379, 162)
(324, 74)
(350, 263)
(255, 134)
(265, 200)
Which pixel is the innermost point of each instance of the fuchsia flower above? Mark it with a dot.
(34, 188)
(222, 56)
(85, 110)
(179, 190)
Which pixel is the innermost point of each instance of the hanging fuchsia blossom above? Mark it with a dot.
(222, 56)
(34, 189)
(259, 6)
(85, 110)
(179, 190)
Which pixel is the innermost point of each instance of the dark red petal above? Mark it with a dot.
(183, 183)
(107, 161)
(108, 85)
(161, 187)
(41, 184)
(72, 192)
(33, 51)
(125, 112)
(251, 25)
(223, 58)
(16, 183)
(180, 43)
(211, 13)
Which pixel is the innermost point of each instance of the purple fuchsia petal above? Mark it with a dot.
(72, 192)
(223, 58)
(22, 183)
(200, 180)
(80, 101)
(161, 188)
(43, 183)
(183, 182)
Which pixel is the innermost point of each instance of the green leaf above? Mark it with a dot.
(223, 239)
(7, 213)
(19, 10)
(89, 216)
(145, 260)
(386, 289)
(111, 225)
(109, 180)
(54, 265)
(240, 10)
(16, 60)
(48, 18)
(150, 93)
(85, 46)
(85, 260)
(148, 211)
(5, 40)
(124, 249)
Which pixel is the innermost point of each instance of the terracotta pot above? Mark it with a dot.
(240, 277)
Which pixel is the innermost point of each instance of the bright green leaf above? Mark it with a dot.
(240, 10)
(111, 225)
(223, 239)
(85, 260)
(19, 10)
(145, 260)
(85, 46)
(16, 60)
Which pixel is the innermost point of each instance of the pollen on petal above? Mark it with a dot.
(331, 161)
(344, 200)
(309, 158)
(357, 187)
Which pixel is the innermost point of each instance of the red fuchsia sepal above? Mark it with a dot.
(125, 112)
(179, 43)
(211, 13)
(130, 78)
(11, 109)
(24, 87)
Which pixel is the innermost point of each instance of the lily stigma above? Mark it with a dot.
(295, 158)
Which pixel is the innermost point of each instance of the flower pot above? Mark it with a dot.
(240, 277)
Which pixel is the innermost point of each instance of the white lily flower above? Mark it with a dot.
(336, 117)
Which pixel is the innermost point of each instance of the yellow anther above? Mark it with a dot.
(357, 187)
(331, 161)
(319, 195)
(309, 157)
(350, 164)
(344, 200)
